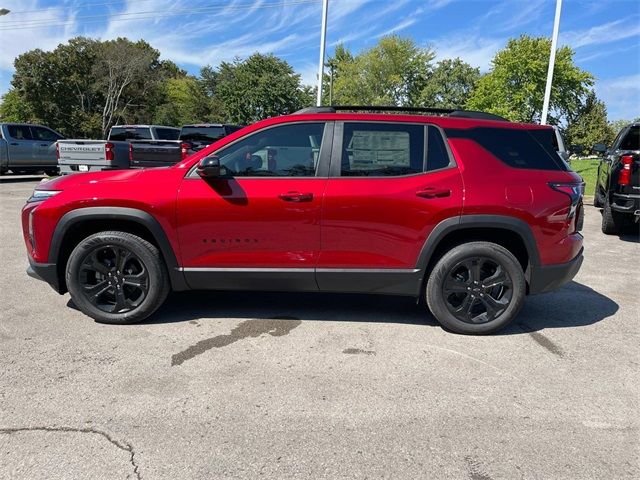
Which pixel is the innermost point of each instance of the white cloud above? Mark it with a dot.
(602, 34)
(621, 95)
(476, 50)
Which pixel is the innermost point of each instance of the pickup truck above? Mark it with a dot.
(193, 138)
(201, 135)
(126, 146)
(618, 183)
(28, 148)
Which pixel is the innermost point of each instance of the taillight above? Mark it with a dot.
(624, 177)
(108, 151)
(574, 191)
(57, 151)
(131, 153)
(184, 150)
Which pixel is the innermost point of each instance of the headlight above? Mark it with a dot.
(40, 195)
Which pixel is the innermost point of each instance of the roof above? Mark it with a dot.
(144, 126)
(451, 112)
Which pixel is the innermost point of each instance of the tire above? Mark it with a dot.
(597, 198)
(52, 172)
(451, 286)
(117, 277)
(611, 221)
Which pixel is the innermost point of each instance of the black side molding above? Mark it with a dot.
(120, 213)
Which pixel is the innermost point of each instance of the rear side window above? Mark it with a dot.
(20, 132)
(631, 141)
(437, 155)
(378, 149)
(124, 134)
(167, 133)
(41, 133)
(528, 149)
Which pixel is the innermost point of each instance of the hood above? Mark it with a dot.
(66, 181)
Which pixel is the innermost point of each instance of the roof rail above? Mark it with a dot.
(452, 112)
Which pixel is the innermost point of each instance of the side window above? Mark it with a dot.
(382, 149)
(44, 134)
(437, 155)
(20, 132)
(284, 151)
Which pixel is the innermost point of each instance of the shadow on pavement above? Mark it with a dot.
(21, 178)
(572, 306)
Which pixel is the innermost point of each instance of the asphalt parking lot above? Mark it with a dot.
(247, 385)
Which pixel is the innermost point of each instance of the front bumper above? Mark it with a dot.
(47, 272)
(549, 277)
(629, 204)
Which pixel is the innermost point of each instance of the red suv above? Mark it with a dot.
(464, 208)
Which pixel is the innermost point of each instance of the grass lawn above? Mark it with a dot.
(587, 169)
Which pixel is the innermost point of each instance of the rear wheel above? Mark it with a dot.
(476, 288)
(52, 172)
(611, 220)
(117, 277)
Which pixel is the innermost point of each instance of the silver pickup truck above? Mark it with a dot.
(26, 148)
(126, 146)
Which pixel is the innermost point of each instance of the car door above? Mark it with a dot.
(390, 184)
(259, 226)
(44, 140)
(21, 146)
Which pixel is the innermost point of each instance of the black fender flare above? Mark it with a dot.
(452, 224)
(140, 217)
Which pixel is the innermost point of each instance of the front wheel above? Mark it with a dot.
(476, 288)
(117, 277)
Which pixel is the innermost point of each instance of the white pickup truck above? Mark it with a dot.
(125, 146)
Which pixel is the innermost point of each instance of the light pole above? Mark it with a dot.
(323, 39)
(552, 62)
(4, 11)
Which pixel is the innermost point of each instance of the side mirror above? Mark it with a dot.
(209, 167)
(600, 148)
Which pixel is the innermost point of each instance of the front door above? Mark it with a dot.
(22, 147)
(259, 226)
(390, 185)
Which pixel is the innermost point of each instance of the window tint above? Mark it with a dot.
(167, 133)
(530, 149)
(285, 151)
(20, 132)
(44, 134)
(437, 156)
(631, 141)
(201, 134)
(123, 134)
(378, 149)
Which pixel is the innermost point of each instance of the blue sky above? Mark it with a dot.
(605, 34)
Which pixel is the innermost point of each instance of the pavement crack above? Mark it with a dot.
(542, 340)
(358, 351)
(276, 327)
(122, 445)
(475, 470)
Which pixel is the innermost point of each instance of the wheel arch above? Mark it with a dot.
(512, 233)
(80, 223)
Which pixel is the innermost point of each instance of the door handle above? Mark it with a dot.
(432, 192)
(14, 144)
(296, 197)
(44, 144)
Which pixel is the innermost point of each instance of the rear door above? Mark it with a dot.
(45, 145)
(21, 146)
(390, 184)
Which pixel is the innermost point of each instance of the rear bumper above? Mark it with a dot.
(68, 169)
(47, 272)
(625, 203)
(549, 277)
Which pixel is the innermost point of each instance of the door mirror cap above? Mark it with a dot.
(209, 167)
(600, 148)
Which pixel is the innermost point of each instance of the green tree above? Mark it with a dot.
(618, 125)
(14, 109)
(259, 87)
(185, 101)
(393, 72)
(589, 125)
(514, 87)
(450, 84)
